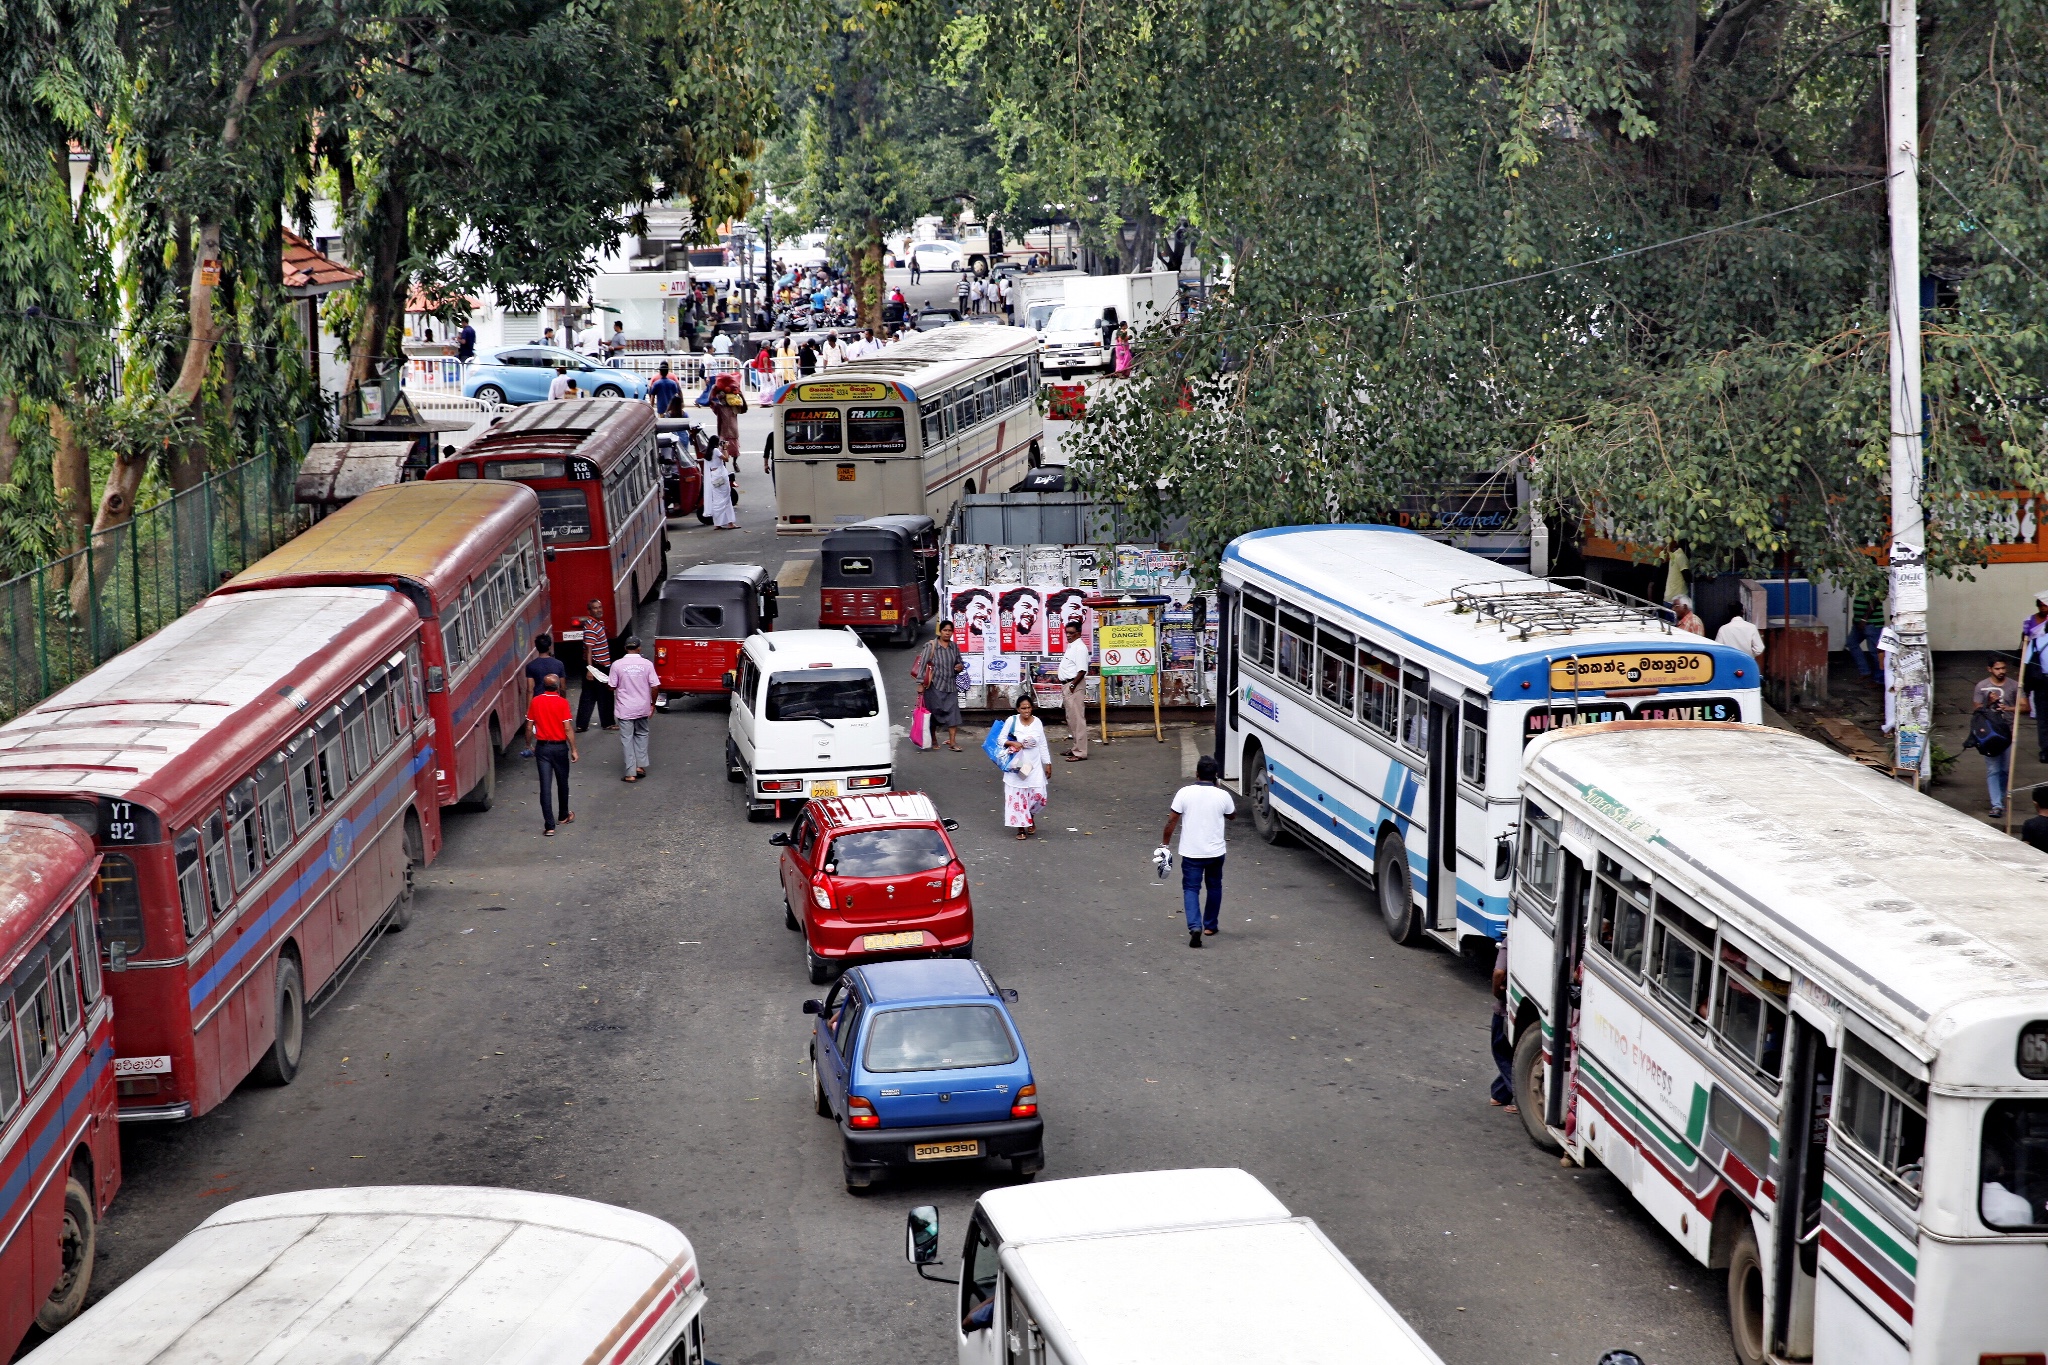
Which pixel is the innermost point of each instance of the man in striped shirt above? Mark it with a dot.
(597, 657)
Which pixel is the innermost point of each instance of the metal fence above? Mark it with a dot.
(61, 620)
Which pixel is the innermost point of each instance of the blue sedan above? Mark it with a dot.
(521, 374)
(920, 1063)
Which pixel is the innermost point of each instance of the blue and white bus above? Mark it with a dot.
(1376, 689)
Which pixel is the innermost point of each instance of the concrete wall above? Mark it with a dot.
(1985, 614)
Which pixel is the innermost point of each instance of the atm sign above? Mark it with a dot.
(1601, 672)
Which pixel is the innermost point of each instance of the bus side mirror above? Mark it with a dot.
(921, 1236)
(728, 680)
(437, 681)
(770, 608)
(551, 554)
(1503, 857)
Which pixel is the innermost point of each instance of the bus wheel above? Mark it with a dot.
(1265, 820)
(1530, 1077)
(1396, 891)
(486, 789)
(76, 1243)
(1746, 1298)
(415, 855)
(288, 1043)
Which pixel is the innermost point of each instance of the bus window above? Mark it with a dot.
(811, 431)
(35, 1019)
(1255, 630)
(526, 469)
(64, 971)
(1336, 676)
(245, 847)
(2013, 1167)
(1621, 904)
(377, 702)
(1472, 745)
(191, 891)
(88, 945)
(1752, 1012)
(276, 802)
(333, 772)
(1379, 690)
(876, 431)
(1883, 1113)
(1540, 852)
(220, 883)
(933, 423)
(1681, 960)
(1415, 710)
(355, 729)
(120, 906)
(302, 759)
(1297, 650)
(564, 516)
(10, 1087)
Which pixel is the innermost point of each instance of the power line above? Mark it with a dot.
(1978, 219)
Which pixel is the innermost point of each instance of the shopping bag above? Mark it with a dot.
(921, 726)
(993, 745)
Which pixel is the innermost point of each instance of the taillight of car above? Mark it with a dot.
(873, 780)
(1026, 1105)
(661, 651)
(959, 885)
(783, 784)
(860, 1113)
(820, 897)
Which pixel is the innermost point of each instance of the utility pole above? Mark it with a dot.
(1912, 664)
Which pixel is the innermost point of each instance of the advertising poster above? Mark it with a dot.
(1020, 614)
(973, 612)
(1063, 606)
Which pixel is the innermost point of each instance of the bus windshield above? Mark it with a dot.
(822, 694)
(564, 516)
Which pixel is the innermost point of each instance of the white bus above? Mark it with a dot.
(1802, 1014)
(1376, 688)
(406, 1273)
(908, 429)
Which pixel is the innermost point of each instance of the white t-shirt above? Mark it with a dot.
(1074, 659)
(558, 387)
(1743, 635)
(1202, 809)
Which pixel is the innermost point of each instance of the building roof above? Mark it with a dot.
(398, 1275)
(1881, 895)
(891, 808)
(308, 274)
(42, 857)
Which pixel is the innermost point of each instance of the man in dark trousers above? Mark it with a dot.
(2034, 833)
(1199, 812)
(543, 665)
(597, 653)
(1501, 1094)
(555, 748)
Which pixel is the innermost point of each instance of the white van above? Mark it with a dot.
(1200, 1267)
(809, 718)
(401, 1274)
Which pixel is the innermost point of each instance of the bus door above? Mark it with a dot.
(1444, 714)
(1226, 678)
(1569, 947)
(1802, 1148)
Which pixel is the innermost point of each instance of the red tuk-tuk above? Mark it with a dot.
(682, 469)
(881, 574)
(706, 613)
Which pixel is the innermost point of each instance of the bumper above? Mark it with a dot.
(875, 1149)
(952, 927)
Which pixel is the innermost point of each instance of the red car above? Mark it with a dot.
(874, 876)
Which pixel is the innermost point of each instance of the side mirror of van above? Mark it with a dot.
(729, 679)
(921, 1236)
(779, 839)
(950, 824)
(1503, 857)
(814, 1007)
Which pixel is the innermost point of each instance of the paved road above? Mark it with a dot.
(614, 1013)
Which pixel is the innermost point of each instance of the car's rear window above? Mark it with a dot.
(823, 694)
(938, 1038)
(888, 852)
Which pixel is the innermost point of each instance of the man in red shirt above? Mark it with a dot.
(554, 748)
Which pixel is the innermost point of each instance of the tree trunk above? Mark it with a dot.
(382, 297)
(1175, 254)
(10, 448)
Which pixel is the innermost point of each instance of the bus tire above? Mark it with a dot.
(1746, 1297)
(1266, 822)
(288, 1035)
(77, 1239)
(1531, 1075)
(1390, 879)
(415, 855)
(485, 791)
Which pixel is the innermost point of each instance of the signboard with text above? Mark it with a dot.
(1128, 649)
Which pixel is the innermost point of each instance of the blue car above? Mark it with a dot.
(920, 1063)
(521, 374)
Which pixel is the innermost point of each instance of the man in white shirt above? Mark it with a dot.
(1074, 690)
(722, 344)
(558, 387)
(1199, 812)
(1741, 633)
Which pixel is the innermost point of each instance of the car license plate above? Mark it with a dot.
(824, 789)
(888, 615)
(885, 943)
(943, 1151)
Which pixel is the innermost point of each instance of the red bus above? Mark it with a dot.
(258, 779)
(591, 460)
(60, 1160)
(469, 557)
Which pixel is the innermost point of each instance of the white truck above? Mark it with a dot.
(1201, 1267)
(1076, 338)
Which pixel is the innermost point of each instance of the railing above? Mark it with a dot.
(61, 620)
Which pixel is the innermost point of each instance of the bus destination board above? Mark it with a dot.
(846, 391)
(1637, 668)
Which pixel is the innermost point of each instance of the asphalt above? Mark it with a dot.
(615, 1013)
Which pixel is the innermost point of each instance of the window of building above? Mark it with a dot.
(1882, 1111)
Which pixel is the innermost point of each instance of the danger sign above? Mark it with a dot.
(1128, 649)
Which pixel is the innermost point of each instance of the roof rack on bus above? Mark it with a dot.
(1555, 606)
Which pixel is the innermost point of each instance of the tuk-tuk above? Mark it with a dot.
(881, 574)
(707, 612)
(682, 470)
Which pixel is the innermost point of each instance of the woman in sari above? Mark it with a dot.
(718, 492)
(1024, 781)
(937, 671)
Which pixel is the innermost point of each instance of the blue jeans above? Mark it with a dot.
(1193, 873)
(1997, 772)
(1863, 647)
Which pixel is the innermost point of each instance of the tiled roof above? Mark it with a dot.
(306, 271)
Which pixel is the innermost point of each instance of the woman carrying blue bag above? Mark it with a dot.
(1018, 747)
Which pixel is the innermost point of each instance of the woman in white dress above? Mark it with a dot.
(1024, 782)
(718, 492)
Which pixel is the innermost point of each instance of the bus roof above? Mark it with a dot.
(437, 535)
(224, 680)
(1403, 582)
(1883, 896)
(927, 360)
(42, 857)
(396, 1274)
(562, 427)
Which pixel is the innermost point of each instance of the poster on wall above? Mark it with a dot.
(973, 613)
(1020, 617)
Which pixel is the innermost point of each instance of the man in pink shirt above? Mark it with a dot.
(632, 680)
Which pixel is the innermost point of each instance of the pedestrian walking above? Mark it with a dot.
(937, 671)
(2034, 833)
(2034, 670)
(962, 291)
(632, 681)
(1121, 354)
(597, 662)
(465, 343)
(1741, 633)
(726, 402)
(718, 492)
(539, 669)
(916, 271)
(1199, 813)
(1991, 731)
(559, 386)
(1866, 621)
(665, 394)
(1026, 761)
(1501, 1094)
(1074, 691)
(554, 749)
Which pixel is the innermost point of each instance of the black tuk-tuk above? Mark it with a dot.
(706, 614)
(881, 574)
